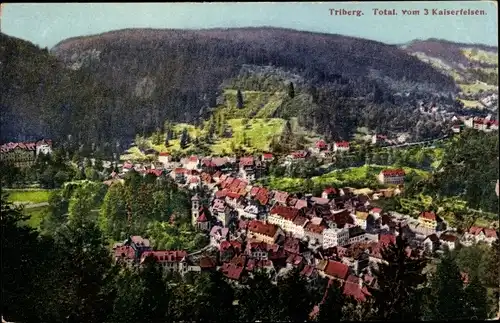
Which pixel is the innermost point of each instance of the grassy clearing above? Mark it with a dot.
(481, 56)
(471, 104)
(33, 196)
(476, 88)
(359, 177)
(256, 104)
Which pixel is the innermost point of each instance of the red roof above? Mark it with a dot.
(299, 154)
(320, 144)
(207, 262)
(232, 271)
(124, 252)
(330, 190)
(267, 156)
(387, 239)
(194, 180)
(156, 172)
(281, 197)
(300, 204)
(314, 228)
(128, 165)
(202, 218)
(254, 191)
(343, 144)
(307, 271)
(336, 269)
(165, 255)
(393, 172)
(353, 288)
(475, 230)
(288, 213)
(233, 195)
(164, 154)
(490, 233)
(180, 170)
(259, 227)
(193, 159)
(376, 210)
(428, 215)
(246, 161)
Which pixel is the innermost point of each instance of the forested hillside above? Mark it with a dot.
(125, 82)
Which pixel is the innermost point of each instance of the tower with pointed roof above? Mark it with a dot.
(195, 209)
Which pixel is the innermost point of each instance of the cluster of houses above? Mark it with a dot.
(338, 235)
(483, 124)
(23, 154)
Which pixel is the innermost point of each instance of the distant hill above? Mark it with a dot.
(467, 63)
(129, 81)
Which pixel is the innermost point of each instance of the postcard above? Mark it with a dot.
(249, 162)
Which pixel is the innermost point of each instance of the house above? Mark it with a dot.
(341, 146)
(379, 139)
(257, 250)
(449, 240)
(280, 197)
(298, 155)
(21, 154)
(217, 235)
(283, 217)
(329, 193)
(479, 234)
(321, 145)
(267, 157)
(164, 158)
(428, 220)
(313, 230)
(333, 270)
(356, 234)
(265, 232)
(333, 237)
(392, 176)
(138, 244)
(232, 271)
(431, 243)
(169, 259)
(124, 254)
(191, 162)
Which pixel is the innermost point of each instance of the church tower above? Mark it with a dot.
(195, 209)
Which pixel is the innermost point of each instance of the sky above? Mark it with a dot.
(46, 24)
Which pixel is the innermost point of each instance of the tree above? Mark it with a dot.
(330, 310)
(184, 142)
(239, 100)
(399, 280)
(291, 90)
(256, 300)
(445, 299)
(290, 307)
(476, 300)
(490, 266)
(213, 297)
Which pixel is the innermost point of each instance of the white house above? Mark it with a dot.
(448, 240)
(341, 146)
(164, 158)
(479, 234)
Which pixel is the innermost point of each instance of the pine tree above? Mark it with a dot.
(239, 100)
(184, 142)
(445, 299)
(399, 280)
(291, 90)
(490, 266)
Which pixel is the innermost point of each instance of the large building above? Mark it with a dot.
(24, 154)
(392, 176)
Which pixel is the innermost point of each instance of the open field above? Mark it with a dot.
(476, 88)
(364, 176)
(33, 196)
(36, 216)
(471, 104)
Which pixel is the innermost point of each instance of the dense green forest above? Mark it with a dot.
(122, 85)
(69, 276)
(469, 169)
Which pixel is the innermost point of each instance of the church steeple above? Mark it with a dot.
(195, 208)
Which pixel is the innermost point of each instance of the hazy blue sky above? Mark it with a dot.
(46, 24)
